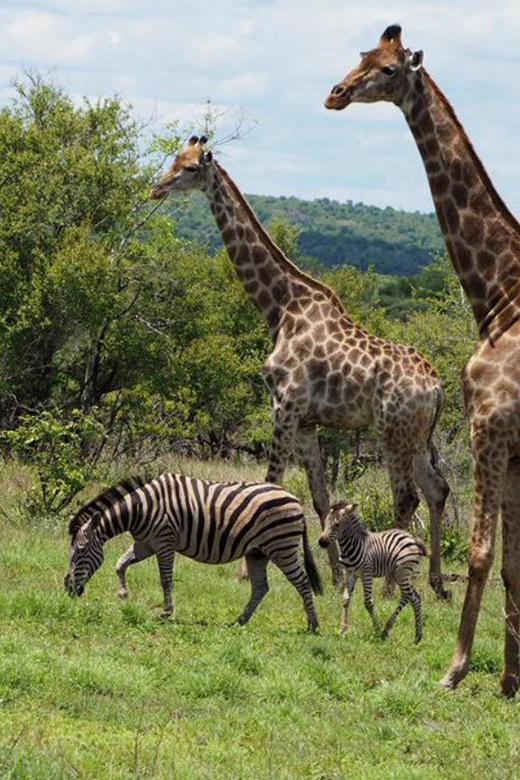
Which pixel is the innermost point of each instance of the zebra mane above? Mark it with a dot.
(354, 517)
(102, 501)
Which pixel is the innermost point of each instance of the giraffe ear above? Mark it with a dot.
(415, 59)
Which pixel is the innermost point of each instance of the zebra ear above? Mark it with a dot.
(93, 524)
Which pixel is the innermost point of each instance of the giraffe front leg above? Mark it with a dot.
(490, 473)
(308, 445)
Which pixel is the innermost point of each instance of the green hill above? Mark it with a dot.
(394, 242)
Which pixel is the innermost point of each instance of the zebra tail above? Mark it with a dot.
(423, 550)
(310, 564)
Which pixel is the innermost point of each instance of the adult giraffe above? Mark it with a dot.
(483, 241)
(325, 369)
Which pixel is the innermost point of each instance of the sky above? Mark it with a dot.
(272, 63)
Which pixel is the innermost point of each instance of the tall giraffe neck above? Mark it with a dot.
(482, 236)
(269, 277)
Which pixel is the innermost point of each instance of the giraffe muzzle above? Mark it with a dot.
(339, 98)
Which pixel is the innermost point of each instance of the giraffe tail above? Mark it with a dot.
(434, 455)
(310, 564)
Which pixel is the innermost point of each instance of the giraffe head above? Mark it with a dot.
(384, 73)
(188, 171)
(338, 517)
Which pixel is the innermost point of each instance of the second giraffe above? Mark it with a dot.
(324, 368)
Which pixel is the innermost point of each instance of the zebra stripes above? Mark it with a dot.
(212, 522)
(394, 554)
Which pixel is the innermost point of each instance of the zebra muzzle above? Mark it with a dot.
(73, 589)
(324, 541)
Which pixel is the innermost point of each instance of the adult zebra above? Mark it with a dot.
(211, 522)
(394, 554)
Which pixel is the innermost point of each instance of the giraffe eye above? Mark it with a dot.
(389, 70)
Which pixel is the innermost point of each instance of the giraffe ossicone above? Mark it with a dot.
(324, 368)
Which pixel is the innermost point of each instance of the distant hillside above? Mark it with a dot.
(395, 242)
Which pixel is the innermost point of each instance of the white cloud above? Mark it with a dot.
(46, 36)
(246, 85)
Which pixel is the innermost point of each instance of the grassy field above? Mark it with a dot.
(96, 688)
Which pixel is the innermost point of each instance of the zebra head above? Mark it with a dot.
(337, 518)
(86, 554)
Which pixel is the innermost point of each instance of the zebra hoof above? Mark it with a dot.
(165, 614)
(417, 640)
(343, 630)
(123, 594)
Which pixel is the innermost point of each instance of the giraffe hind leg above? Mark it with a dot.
(509, 681)
(436, 491)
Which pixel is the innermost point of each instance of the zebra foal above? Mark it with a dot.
(395, 554)
(212, 522)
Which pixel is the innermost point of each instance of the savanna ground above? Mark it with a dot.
(102, 689)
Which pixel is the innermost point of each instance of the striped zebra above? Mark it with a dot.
(212, 522)
(394, 554)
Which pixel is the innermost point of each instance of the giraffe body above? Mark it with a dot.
(325, 369)
(483, 241)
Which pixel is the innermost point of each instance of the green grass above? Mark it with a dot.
(96, 688)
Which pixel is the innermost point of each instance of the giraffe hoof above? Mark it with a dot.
(454, 676)
(509, 685)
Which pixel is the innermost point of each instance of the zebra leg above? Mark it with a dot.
(406, 596)
(138, 551)
(165, 561)
(369, 599)
(289, 562)
(416, 604)
(347, 594)
(256, 563)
